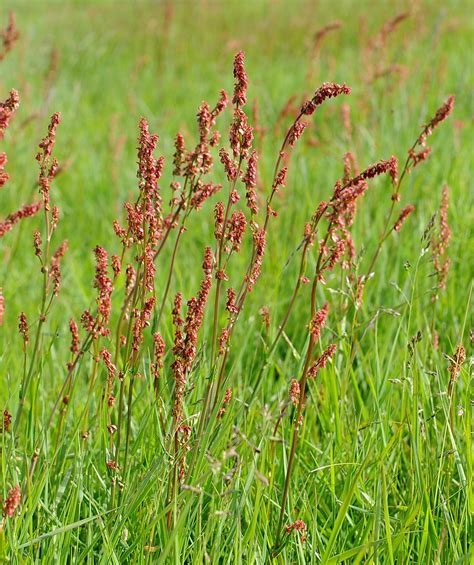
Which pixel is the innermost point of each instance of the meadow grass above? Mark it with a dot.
(383, 469)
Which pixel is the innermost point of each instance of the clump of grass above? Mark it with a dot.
(143, 365)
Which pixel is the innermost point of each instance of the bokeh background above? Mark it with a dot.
(105, 64)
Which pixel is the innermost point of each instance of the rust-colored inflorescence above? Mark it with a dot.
(236, 230)
(23, 328)
(111, 368)
(250, 181)
(103, 284)
(439, 244)
(142, 320)
(186, 333)
(48, 165)
(318, 322)
(6, 422)
(442, 113)
(298, 526)
(241, 81)
(12, 502)
(322, 361)
(325, 91)
(55, 269)
(225, 402)
(25, 211)
(158, 354)
(455, 366)
(7, 109)
(294, 392)
(74, 348)
(457, 362)
(259, 239)
(2, 306)
(9, 36)
(403, 217)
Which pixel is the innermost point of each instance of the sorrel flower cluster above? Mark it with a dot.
(125, 330)
(8, 109)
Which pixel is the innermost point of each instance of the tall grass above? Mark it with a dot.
(154, 427)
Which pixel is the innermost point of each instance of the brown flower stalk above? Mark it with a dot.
(9, 36)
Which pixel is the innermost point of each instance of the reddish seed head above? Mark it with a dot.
(88, 322)
(149, 169)
(104, 286)
(74, 337)
(259, 242)
(350, 166)
(179, 157)
(241, 135)
(158, 354)
(7, 421)
(219, 220)
(47, 143)
(318, 322)
(403, 216)
(12, 502)
(9, 35)
(24, 212)
(2, 306)
(3, 174)
(116, 265)
(445, 230)
(442, 114)
(221, 104)
(225, 402)
(296, 132)
(325, 91)
(149, 268)
(23, 328)
(389, 166)
(250, 181)
(457, 362)
(294, 392)
(203, 192)
(280, 179)
(237, 225)
(204, 117)
(322, 361)
(229, 165)
(241, 81)
(440, 242)
(37, 243)
(230, 304)
(417, 158)
(298, 526)
(142, 320)
(223, 340)
(265, 314)
(176, 312)
(7, 109)
(111, 368)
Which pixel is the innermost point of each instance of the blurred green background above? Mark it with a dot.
(105, 64)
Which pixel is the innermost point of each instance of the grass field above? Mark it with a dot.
(383, 460)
